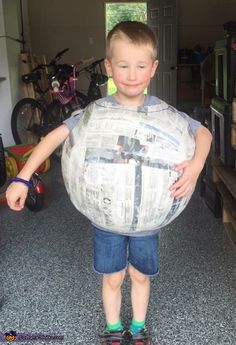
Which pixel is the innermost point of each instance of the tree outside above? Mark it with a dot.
(121, 11)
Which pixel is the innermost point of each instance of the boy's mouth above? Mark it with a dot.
(131, 85)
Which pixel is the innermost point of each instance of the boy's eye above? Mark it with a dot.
(123, 66)
(141, 66)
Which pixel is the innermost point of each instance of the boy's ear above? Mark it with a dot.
(108, 68)
(154, 67)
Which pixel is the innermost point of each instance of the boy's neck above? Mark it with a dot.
(129, 102)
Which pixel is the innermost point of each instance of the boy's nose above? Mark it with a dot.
(132, 73)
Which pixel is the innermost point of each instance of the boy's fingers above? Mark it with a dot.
(174, 186)
(16, 208)
(177, 184)
(12, 204)
(184, 191)
(16, 204)
(22, 202)
(16, 195)
(179, 192)
(181, 165)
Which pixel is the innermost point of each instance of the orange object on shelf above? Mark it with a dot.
(21, 153)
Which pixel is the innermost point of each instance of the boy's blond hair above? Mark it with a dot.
(136, 32)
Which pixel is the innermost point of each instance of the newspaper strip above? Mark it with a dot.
(119, 163)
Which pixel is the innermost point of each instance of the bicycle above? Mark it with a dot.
(33, 119)
(96, 80)
(27, 113)
(35, 196)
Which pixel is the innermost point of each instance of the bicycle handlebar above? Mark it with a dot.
(52, 62)
(91, 67)
(38, 67)
(95, 63)
(58, 56)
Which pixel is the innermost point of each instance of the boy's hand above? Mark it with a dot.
(16, 194)
(186, 183)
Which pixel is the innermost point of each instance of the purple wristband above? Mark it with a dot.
(18, 179)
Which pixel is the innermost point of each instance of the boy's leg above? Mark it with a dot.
(144, 262)
(140, 293)
(111, 295)
(110, 260)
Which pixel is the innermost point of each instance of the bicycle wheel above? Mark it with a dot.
(3, 174)
(26, 121)
(54, 115)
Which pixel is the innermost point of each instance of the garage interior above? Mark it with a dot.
(48, 284)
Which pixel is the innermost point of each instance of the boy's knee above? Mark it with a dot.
(114, 280)
(136, 276)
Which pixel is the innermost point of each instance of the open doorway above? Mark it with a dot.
(116, 12)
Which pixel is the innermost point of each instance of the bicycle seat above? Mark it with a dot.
(31, 77)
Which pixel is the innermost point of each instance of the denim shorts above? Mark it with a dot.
(114, 252)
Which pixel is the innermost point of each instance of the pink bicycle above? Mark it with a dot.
(34, 118)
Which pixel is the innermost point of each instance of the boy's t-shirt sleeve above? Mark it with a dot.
(193, 124)
(72, 121)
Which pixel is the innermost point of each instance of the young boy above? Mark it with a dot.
(131, 62)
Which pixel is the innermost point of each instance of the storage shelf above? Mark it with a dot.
(226, 186)
(229, 202)
(228, 176)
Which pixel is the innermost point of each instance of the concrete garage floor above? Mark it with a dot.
(48, 285)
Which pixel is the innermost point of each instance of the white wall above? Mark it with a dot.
(9, 57)
(56, 24)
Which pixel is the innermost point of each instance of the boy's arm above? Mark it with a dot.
(203, 139)
(191, 169)
(16, 192)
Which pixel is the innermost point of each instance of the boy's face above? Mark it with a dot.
(131, 66)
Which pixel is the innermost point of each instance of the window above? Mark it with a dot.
(116, 12)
